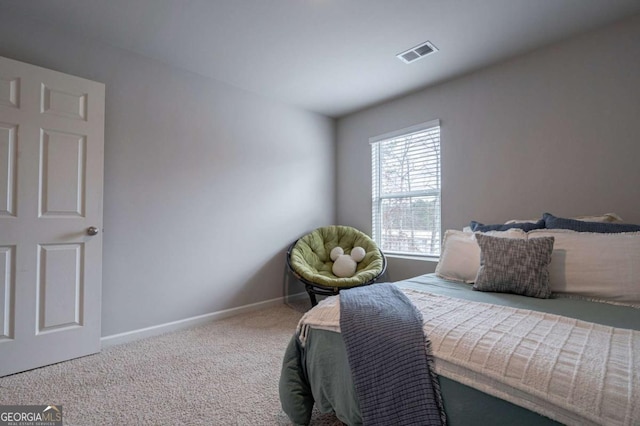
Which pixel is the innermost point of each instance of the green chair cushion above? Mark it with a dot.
(310, 256)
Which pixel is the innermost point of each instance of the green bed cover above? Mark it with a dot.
(321, 368)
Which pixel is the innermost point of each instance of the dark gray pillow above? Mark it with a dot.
(509, 265)
(525, 226)
(553, 222)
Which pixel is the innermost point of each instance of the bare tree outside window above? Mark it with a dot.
(406, 191)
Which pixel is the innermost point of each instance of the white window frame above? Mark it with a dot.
(377, 197)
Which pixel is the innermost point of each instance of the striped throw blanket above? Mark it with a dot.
(389, 358)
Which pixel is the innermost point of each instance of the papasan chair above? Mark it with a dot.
(309, 260)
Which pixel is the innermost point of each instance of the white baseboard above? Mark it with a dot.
(130, 336)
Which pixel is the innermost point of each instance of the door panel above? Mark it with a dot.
(62, 177)
(60, 286)
(7, 290)
(64, 103)
(8, 169)
(51, 172)
(10, 91)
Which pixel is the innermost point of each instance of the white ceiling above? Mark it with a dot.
(328, 56)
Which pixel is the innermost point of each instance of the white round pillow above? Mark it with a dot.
(344, 266)
(335, 253)
(358, 253)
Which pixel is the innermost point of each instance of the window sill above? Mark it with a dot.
(433, 259)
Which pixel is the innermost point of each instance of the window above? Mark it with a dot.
(406, 190)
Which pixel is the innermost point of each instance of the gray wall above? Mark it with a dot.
(555, 130)
(205, 184)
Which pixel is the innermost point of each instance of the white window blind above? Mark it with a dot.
(406, 190)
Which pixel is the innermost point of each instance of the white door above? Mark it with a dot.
(51, 172)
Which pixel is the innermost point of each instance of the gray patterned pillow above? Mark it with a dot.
(514, 266)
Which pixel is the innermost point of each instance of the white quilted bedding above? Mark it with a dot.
(575, 372)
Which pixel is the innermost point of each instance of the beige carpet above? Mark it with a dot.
(222, 373)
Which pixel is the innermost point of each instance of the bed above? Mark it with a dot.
(527, 323)
(317, 372)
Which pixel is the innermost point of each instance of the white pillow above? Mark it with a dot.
(604, 266)
(607, 217)
(460, 256)
(509, 222)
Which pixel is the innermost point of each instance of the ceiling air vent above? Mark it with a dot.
(415, 53)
